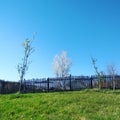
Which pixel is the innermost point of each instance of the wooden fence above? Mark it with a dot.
(59, 84)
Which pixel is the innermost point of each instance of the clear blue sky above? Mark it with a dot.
(83, 28)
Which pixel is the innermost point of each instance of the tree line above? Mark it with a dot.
(62, 65)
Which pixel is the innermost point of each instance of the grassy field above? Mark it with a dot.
(77, 105)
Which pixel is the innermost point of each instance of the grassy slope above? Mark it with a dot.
(77, 105)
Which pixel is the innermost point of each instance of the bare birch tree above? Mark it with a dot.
(111, 70)
(62, 65)
(65, 64)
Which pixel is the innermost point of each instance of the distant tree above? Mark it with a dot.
(111, 70)
(65, 64)
(62, 65)
(99, 74)
(23, 66)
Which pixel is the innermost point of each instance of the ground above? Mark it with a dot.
(90, 104)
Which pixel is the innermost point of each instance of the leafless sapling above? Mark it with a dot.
(23, 66)
(99, 74)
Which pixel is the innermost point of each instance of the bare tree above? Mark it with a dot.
(62, 65)
(65, 64)
(111, 70)
(23, 66)
(99, 74)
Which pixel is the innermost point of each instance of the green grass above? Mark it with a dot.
(74, 105)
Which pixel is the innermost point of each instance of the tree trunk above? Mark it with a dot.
(21, 84)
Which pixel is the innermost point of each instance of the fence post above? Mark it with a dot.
(48, 84)
(70, 83)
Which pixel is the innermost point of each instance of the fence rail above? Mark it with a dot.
(59, 84)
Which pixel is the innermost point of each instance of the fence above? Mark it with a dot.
(8, 87)
(60, 84)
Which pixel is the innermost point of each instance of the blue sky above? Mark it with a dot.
(83, 28)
